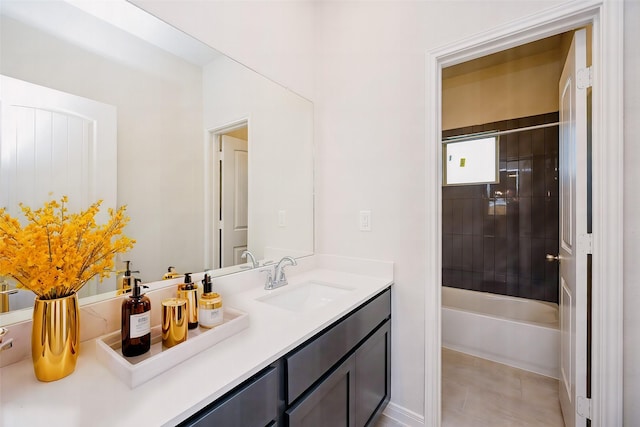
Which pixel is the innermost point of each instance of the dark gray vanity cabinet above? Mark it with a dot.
(330, 403)
(340, 377)
(254, 403)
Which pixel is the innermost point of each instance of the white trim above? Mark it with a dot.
(399, 414)
(607, 19)
(608, 155)
(433, 261)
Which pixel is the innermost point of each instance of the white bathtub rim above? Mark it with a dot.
(506, 298)
(552, 326)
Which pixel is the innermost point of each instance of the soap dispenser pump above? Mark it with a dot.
(170, 274)
(136, 322)
(189, 291)
(127, 279)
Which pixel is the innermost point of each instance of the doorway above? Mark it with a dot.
(229, 195)
(606, 19)
(502, 290)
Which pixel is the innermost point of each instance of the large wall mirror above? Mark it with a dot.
(210, 157)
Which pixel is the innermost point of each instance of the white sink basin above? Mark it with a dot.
(305, 296)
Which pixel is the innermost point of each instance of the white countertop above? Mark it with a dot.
(94, 396)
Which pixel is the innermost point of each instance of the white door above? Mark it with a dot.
(235, 168)
(573, 233)
(54, 144)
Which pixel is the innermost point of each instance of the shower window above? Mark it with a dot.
(472, 161)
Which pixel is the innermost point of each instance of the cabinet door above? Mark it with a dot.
(254, 404)
(328, 404)
(373, 376)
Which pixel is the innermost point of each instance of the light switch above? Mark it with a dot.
(365, 220)
(282, 218)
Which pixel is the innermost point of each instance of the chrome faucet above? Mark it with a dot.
(246, 254)
(278, 273)
(7, 344)
(279, 278)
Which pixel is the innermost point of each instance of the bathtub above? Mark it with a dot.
(514, 331)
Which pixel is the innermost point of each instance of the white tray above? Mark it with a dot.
(138, 369)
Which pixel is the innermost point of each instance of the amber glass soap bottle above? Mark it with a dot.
(136, 322)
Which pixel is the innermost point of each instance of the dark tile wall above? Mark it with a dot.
(495, 236)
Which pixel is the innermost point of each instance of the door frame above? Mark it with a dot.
(606, 17)
(212, 182)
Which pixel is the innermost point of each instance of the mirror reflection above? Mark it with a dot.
(210, 158)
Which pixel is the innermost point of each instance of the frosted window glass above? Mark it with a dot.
(471, 162)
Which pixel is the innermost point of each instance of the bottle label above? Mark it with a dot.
(210, 318)
(139, 324)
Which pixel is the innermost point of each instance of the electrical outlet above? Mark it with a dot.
(365, 220)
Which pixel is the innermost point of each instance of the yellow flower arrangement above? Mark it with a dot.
(56, 253)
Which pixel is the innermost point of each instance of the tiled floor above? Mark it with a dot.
(477, 392)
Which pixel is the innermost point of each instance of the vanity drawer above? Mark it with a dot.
(253, 404)
(309, 363)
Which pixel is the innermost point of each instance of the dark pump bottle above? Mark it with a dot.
(136, 322)
(189, 291)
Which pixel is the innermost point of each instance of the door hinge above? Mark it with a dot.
(586, 242)
(584, 407)
(585, 78)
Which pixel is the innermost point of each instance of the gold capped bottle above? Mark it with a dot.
(170, 274)
(210, 311)
(189, 291)
(136, 322)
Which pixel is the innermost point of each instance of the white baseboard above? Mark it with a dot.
(394, 414)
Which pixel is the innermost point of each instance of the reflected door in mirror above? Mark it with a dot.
(234, 200)
(55, 144)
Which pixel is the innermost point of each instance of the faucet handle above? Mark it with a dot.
(269, 283)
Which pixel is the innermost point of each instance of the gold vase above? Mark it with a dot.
(55, 337)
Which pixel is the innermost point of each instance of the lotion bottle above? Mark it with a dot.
(136, 322)
(210, 306)
(189, 291)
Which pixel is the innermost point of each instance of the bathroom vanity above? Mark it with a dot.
(292, 364)
(341, 376)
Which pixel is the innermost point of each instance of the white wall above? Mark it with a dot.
(370, 118)
(280, 152)
(273, 37)
(369, 95)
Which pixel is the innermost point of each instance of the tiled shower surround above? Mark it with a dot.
(495, 236)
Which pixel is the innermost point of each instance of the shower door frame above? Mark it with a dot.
(606, 17)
